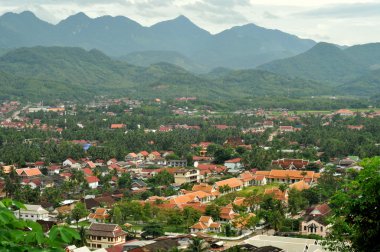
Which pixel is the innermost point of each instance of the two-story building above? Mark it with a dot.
(101, 235)
(183, 176)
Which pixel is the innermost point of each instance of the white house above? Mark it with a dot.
(32, 212)
(233, 163)
(71, 163)
(93, 182)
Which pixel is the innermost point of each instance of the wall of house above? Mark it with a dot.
(31, 216)
(95, 242)
(320, 229)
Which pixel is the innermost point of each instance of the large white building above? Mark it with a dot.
(32, 212)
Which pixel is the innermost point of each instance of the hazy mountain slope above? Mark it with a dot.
(239, 47)
(367, 55)
(249, 45)
(73, 73)
(147, 58)
(323, 62)
(366, 85)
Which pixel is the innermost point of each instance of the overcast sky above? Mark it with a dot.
(338, 21)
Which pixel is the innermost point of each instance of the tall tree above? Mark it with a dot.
(355, 224)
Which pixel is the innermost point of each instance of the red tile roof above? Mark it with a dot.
(92, 179)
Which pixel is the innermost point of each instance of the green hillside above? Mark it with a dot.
(73, 73)
(324, 62)
(353, 69)
(147, 58)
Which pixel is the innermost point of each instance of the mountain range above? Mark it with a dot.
(172, 41)
(74, 73)
(353, 70)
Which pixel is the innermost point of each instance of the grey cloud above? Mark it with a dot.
(358, 10)
(269, 15)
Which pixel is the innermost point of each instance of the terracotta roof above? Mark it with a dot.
(264, 173)
(92, 179)
(156, 153)
(276, 193)
(258, 177)
(144, 153)
(300, 185)
(227, 213)
(344, 112)
(231, 182)
(100, 214)
(291, 174)
(246, 176)
(286, 163)
(91, 164)
(205, 219)
(30, 172)
(203, 187)
(215, 225)
(87, 171)
(132, 154)
(199, 225)
(319, 210)
(117, 126)
(234, 160)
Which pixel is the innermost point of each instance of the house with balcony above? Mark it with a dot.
(101, 235)
(183, 176)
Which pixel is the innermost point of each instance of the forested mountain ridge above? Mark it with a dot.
(62, 72)
(353, 70)
(239, 47)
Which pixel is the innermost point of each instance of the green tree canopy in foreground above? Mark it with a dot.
(20, 235)
(355, 224)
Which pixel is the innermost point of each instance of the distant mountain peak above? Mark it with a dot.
(80, 17)
(325, 47)
(23, 15)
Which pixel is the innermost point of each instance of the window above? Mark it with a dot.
(321, 229)
(304, 228)
(98, 238)
(26, 215)
(98, 245)
(110, 239)
(93, 245)
(32, 216)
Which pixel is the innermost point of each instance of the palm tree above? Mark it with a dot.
(198, 245)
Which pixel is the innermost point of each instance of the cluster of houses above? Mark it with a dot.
(103, 236)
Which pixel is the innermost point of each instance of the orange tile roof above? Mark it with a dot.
(87, 171)
(300, 185)
(227, 213)
(144, 153)
(92, 179)
(276, 193)
(264, 173)
(215, 225)
(117, 126)
(100, 214)
(30, 172)
(205, 219)
(231, 182)
(291, 174)
(199, 225)
(246, 176)
(156, 153)
(203, 187)
(234, 160)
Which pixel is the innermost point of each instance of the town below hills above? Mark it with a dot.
(131, 175)
(245, 65)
